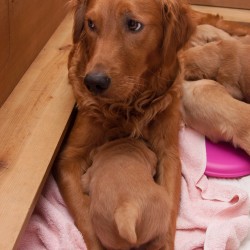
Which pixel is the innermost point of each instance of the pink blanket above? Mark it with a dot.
(212, 216)
(51, 227)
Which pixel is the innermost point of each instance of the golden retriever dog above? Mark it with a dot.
(127, 208)
(226, 61)
(124, 72)
(125, 75)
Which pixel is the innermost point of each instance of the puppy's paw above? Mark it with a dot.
(189, 69)
(192, 73)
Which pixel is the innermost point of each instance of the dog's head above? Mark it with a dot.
(122, 47)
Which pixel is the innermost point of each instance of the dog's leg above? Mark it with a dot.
(208, 108)
(164, 138)
(69, 168)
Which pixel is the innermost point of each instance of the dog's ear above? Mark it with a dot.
(126, 216)
(79, 6)
(178, 27)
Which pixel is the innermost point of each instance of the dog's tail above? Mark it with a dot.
(126, 217)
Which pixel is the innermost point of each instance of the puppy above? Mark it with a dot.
(208, 108)
(206, 33)
(128, 209)
(225, 61)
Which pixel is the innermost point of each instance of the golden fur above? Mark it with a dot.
(211, 107)
(226, 61)
(211, 110)
(206, 33)
(143, 99)
(128, 209)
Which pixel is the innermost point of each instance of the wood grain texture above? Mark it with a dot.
(26, 26)
(33, 121)
(238, 4)
(4, 33)
(237, 15)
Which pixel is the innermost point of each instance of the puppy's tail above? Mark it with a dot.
(126, 217)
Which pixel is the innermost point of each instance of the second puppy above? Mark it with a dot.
(128, 209)
(226, 61)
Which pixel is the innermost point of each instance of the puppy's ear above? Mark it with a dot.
(126, 217)
(178, 27)
(79, 6)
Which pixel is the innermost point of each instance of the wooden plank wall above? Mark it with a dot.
(25, 27)
(238, 4)
(236, 15)
(4, 33)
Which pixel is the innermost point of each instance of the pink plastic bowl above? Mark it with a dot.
(224, 161)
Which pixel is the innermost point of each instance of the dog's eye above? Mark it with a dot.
(134, 25)
(91, 25)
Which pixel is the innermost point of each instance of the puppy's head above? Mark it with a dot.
(136, 149)
(120, 45)
(202, 62)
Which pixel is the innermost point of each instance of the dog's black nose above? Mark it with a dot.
(97, 82)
